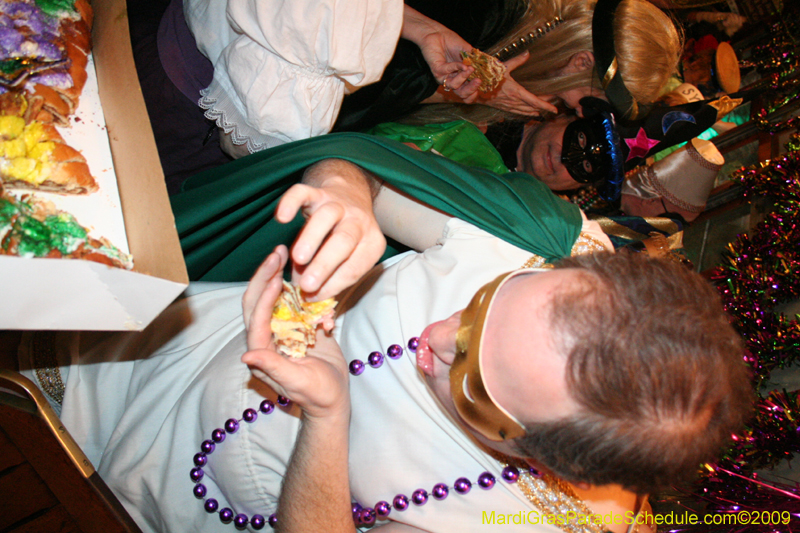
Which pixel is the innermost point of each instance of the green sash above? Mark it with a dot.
(224, 216)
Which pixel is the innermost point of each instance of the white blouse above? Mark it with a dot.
(282, 67)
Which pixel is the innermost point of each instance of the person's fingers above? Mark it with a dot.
(270, 367)
(517, 61)
(336, 249)
(259, 330)
(364, 257)
(272, 266)
(468, 92)
(458, 78)
(535, 102)
(442, 69)
(321, 223)
(293, 200)
(514, 98)
(271, 383)
(328, 323)
(260, 302)
(317, 384)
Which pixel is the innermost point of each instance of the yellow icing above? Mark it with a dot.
(44, 170)
(11, 126)
(21, 168)
(33, 135)
(42, 150)
(25, 153)
(282, 312)
(13, 148)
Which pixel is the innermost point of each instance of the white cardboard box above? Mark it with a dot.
(50, 294)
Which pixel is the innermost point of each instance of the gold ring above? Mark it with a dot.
(444, 85)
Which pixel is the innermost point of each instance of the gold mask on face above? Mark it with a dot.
(473, 400)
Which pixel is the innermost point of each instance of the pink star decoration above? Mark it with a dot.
(639, 145)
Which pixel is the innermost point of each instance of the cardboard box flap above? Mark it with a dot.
(90, 296)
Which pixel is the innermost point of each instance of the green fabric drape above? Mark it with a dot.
(224, 216)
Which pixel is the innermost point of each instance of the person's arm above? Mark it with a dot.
(316, 489)
(284, 67)
(441, 48)
(407, 220)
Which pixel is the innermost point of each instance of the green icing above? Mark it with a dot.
(66, 233)
(33, 237)
(114, 253)
(8, 210)
(56, 7)
(36, 238)
(12, 66)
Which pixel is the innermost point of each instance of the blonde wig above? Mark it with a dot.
(647, 43)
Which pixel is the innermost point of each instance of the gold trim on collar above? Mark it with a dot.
(587, 243)
(536, 261)
(584, 244)
(553, 497)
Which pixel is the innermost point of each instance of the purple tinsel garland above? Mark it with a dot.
(759, 271)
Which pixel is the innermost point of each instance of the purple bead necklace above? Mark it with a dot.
(362, 516)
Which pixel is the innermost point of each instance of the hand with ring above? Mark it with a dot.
(441, 48)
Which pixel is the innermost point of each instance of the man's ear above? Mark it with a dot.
(580, 61)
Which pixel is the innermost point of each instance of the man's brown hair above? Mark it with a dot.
(655, 367)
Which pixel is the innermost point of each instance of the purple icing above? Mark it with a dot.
(59, 79)
(25, 31)
(9, 39)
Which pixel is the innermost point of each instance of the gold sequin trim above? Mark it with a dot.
(46, 365)
(586, 244)
(554, 498)
(536, 261)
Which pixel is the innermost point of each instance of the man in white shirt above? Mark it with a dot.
(610, 372)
